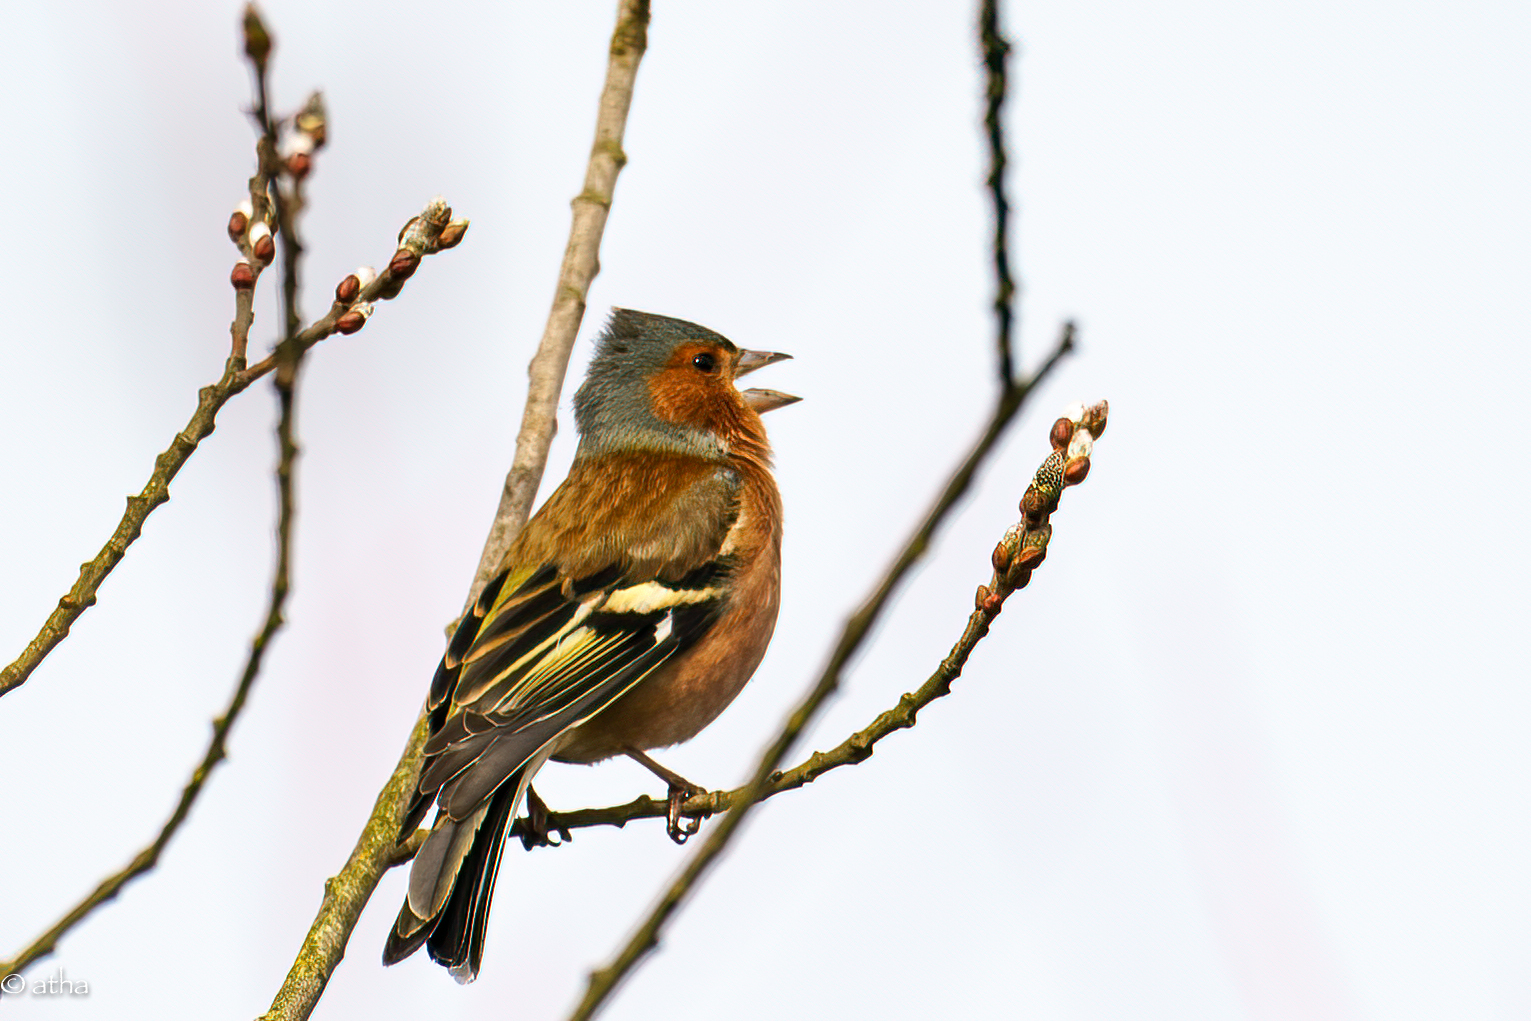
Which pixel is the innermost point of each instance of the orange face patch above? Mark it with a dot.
(696, 388)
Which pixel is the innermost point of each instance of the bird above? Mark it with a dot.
(625, 617)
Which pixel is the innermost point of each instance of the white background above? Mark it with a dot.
(1254, 743)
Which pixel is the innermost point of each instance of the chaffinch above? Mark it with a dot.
(625, 617)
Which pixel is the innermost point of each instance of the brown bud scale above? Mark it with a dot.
(1032, 504)
(265, 248)
(981, 597)
(1075, 471)
(403, 264)
(299, 164)
(1031, 556)
(1063, 431)
(242, 276)
(1000, 558)
(238, 224)
(451, 234)
(350, 322)
(347, 290)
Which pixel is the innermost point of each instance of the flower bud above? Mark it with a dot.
(408, 228)
(1095, 418)
(1062, 430)
(1032, 504)
(451, 234)
(257, 39)
(239, 220)
(1030, 556)
(1075, 471)
(262, 246)
(403, 264)
(347, 290)
(242, 276)
(350, 322)
(1000, 558)
(311, 120)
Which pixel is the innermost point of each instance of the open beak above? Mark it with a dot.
(762, 400)
(749, 361)
(767, 400)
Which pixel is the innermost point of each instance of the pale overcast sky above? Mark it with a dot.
(1252, 746)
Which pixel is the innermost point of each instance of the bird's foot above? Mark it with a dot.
(534, 828)
(677, 798)
(680, 790)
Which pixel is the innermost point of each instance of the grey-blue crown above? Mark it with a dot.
(611, 409)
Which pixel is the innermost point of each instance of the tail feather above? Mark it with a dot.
(457, 941)
(454, 936)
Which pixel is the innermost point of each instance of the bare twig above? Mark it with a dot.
(1012, 396)
(258, 46)
(346, 894)
(432, 231)
(146, 859)
(996, 53)
(581, 262)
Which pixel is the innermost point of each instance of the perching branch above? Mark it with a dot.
(605, 980)
(1012, 396)
(346, 894)
(1018, 553)
(581, 263)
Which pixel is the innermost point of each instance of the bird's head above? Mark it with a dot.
(664, 384)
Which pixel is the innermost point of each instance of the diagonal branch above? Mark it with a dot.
(1012, 571)
(146, 859)
(437, 231)
(603, 982)
(581, 263)
(346, 894)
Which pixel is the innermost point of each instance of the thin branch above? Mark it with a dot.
(216, 749)
(996, 53)
(346, 894)
(581, 262)
(210, 400)
(603, 982)
(432, 231)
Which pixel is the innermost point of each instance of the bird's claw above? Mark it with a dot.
(535, 831)
(678, 796)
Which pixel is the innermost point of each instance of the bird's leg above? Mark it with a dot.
(536, 832)
(680, 790)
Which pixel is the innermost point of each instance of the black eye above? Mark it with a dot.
(705, 362)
